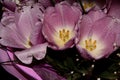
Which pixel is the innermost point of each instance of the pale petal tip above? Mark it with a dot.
(24, 59)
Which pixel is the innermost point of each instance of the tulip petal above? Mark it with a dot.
(36, 34)
(29, 71)
(104, 31)
(27, 19)
(88, 21)
(47, 72)
(56, 17)
(37, 51)
(25, 58)
(9, 36)
(37, 13)
(10, 33)
(41, 54)
(25, 23)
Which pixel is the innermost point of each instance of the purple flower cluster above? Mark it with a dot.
(28, 27)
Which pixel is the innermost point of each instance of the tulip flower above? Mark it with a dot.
(97, 35)
(60, 25)
(23, 30)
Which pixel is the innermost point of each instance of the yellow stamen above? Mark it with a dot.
(64, 35)
(28, 44)
(90, 44)
(88, 4)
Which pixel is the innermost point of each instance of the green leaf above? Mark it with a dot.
(108, 75)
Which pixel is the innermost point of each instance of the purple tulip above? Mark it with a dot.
(60, 25)
(97, 36)
(23, 30)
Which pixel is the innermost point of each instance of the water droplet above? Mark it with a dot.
(71, 72)
(77, 59)
(92, 65)
(98, 78)
(119, 63)
(83, 74)
(118, 54)
(115, 72)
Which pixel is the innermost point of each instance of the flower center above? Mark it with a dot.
(64, 35)
(90, 44)
(28, 44)
(88, 5)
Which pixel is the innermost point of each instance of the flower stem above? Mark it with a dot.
(84, 12)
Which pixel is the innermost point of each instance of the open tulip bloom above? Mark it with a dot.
(29, 27)
(60, 25)
(22, 29)
(98, 35)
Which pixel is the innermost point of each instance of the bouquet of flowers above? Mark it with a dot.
(60, 39)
